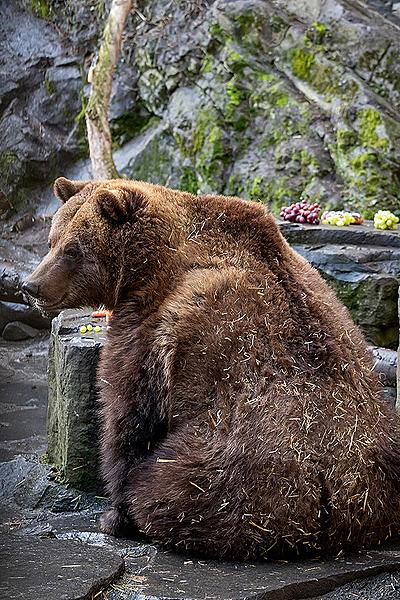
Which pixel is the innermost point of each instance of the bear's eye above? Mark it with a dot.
(72, 252)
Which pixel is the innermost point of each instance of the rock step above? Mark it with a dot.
(359, 235)
(362, 265)
(51, 569)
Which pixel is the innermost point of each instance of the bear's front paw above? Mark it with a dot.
(114, 522)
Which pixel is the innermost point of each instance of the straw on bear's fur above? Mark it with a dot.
(241, 416)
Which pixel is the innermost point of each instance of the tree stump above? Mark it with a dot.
(72, 424)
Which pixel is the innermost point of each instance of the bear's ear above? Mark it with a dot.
(118, 205)
(64, 188)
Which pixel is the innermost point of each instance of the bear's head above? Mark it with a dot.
(98, 226)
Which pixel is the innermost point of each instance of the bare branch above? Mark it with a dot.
(98, 129)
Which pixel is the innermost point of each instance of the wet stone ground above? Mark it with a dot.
(50, 547)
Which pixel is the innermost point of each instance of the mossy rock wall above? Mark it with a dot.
(263, 100)
(274, 104)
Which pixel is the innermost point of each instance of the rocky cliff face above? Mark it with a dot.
(263, 99)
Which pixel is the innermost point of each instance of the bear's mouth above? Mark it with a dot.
(47, 307)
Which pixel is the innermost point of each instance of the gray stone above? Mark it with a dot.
(23, 397)
(170, 576)
(73, 428)
(362, 265)
(26, 484)
(16, 331)
(20, 253)
(40, 85)
(386, 365)
(13, 311)
(50, 569)
(382, 587)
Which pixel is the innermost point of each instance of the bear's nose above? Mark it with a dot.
(31, 288)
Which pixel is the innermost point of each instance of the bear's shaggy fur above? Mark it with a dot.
(241, 416)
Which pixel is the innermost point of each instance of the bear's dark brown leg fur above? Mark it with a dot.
(133, 423)
(188, 497)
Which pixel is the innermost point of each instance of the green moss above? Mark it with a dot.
(217, 32)
(235, 61)
(373, 307)
(360, 157)
(234, 187)
(212, 159)
(255, 188)
(81, 132)
(189, 181)
(280, 192)
(308, 163)
(130, 124)
(154, 163)
(325, 78)
(7, 159)
(44, 459)
(369, 119)
(262, 76)
(198, 134)
(49, 86)
(270, 93)
(361, 162)
(302, 62)
(345, 138)
(100, 8)
(206, 65)
(316, 33)
(41, 8)
(277, 24)
(234, 93)
(246, 22)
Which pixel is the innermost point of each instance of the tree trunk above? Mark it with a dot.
(98, 129)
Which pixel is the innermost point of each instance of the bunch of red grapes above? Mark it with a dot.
(301, 212)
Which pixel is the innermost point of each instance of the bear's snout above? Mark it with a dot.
(31, 288)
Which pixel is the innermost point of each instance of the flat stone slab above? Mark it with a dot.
(51, 569)
(172, 577)
(359, 235)
(382, 587)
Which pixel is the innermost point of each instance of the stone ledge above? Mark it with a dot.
(51, 569)
(358, 235)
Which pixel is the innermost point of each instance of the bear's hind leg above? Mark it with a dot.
(195, 496)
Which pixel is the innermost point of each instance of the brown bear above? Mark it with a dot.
(241, 416)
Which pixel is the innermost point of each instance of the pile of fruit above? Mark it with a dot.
(89, 328)
(305, 212)
(384, 219)
(301, 212)
(341, 218)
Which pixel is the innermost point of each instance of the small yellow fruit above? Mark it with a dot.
(89, 327)
(83, 329)
(97, 329)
